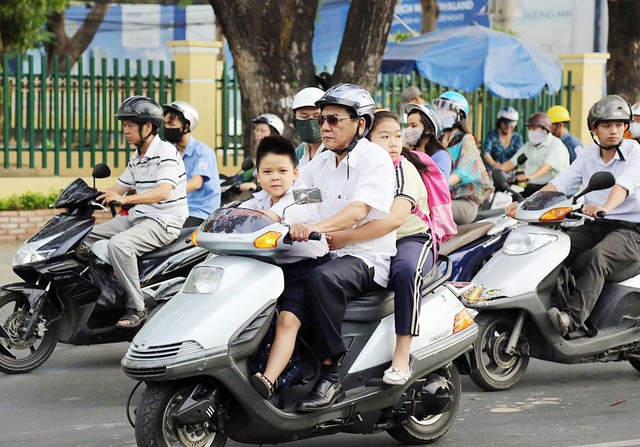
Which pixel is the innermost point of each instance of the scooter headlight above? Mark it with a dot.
(523, 243)
(203, 279)
(33, 252)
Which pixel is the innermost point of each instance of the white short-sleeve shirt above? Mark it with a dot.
(551, 151)
(294, 214)
(161, 163)
(366, 175)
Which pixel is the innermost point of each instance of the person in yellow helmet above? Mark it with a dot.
(560, 119)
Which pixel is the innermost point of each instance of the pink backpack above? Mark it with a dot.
(440, 218)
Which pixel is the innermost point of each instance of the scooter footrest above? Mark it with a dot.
(377, 382)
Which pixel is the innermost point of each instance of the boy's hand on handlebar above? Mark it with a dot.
(301, 232)
(593, 210)
(521, 178)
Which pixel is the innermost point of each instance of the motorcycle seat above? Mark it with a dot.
(178, 245)
(466, 234)
(370, 307)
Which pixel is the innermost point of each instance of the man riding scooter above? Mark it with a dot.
(613, 241)
(357, 184)
(158, 175)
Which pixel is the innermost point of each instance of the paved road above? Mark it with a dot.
(78, 397)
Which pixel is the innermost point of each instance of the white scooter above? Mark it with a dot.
(194, 354)
(516, 287)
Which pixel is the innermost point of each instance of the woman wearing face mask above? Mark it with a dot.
(423, 130)
(469, 181)
(502, 142)
(546, 155)
(305, 111)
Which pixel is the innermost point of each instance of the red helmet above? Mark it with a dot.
(540, 119)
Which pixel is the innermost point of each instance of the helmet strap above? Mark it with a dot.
(143, 140)
(352, 144)
(609, 148)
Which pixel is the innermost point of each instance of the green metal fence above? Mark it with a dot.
(71, 113)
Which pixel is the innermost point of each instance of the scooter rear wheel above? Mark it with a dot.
(33, 352)
(495, 369)
(155, 426)
(426, 430)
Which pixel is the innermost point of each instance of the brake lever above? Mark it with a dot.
(582, 216)
(98, 205)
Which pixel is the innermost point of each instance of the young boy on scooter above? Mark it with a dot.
(277, 173)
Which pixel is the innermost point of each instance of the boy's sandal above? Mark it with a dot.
(262, 385)
(395, 376)
(132, 318)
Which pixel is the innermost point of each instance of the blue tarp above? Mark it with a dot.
(465, 58)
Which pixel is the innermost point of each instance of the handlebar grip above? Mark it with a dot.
(601, 214)
(115, 203)
(315, 236)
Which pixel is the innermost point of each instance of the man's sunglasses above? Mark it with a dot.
(332, 119)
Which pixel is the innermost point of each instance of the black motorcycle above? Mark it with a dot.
(230, 184)
(71, 295)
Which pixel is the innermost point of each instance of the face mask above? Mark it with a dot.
(634, 128)
(536, 136)
(173, 134)
(308, 130)
(448, 120)
(411, 135)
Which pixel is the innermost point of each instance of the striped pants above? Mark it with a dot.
(413, 260)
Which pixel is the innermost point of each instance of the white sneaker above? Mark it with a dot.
(395, 376)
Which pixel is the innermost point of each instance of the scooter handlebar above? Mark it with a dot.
(315, 236)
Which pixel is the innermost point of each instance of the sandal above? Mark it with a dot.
(262, 385)
(132, 318)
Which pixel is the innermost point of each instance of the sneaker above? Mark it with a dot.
(395, 376)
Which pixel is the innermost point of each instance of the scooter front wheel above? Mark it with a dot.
(17, 354)
(155, 426)
(495, 369)
(419, 431)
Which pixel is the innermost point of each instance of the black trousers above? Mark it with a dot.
(329, 289)
(608, 246)
(192, 221)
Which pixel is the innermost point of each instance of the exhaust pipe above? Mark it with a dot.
(436, 395)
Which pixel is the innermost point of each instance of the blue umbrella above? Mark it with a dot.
(465, 58)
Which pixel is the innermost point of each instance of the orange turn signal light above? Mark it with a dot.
(193, 237)
(462, 320)
(555, 214)
(268, 240)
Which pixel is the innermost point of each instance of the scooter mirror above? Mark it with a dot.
(598, 181)
(247, 164)
(522, 159)
(101, 170)
(500, 179)
(310, 195)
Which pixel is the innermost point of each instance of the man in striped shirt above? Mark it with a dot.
(158, 175)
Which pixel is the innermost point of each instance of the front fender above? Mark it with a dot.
(33, 292)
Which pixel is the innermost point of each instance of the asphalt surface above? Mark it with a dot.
(78, 397)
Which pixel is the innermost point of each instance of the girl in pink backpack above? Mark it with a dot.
(415, 255)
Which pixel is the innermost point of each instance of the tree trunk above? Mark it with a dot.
(363, 43)
(623, 70)
(430, 14)
(61, 45)
(271, 47)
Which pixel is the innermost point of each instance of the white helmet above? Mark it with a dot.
(508, 113)
(307, 97)
(272, 120)
(188, 112)
(636, 109)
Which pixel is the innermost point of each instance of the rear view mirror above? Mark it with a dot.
(247, 164)
(499, 178)
(598, 181)
(101, 170)
(310, 195)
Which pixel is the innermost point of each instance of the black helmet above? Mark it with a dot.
(141, 109)
(609, 108)
(354, 97)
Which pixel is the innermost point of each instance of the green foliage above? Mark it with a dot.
(22, 23)
(400, 36)
(28, 201)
